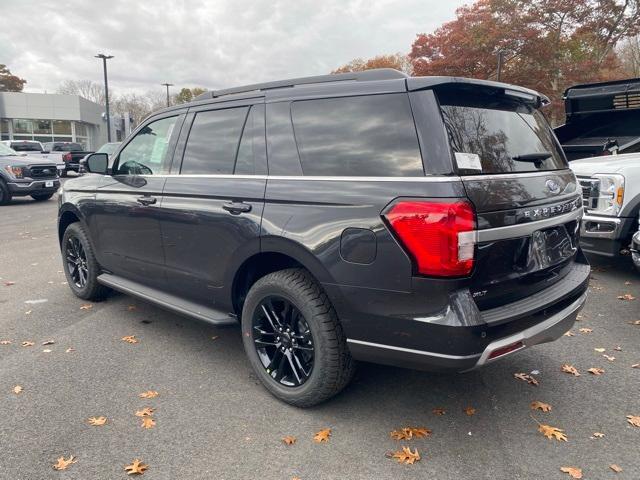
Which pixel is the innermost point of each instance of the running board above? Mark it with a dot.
(166, 300)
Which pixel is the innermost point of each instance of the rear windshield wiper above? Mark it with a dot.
(536, 157)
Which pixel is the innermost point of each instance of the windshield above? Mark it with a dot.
(26, 147)
(5, 151)
(108, 148)
(491, 134)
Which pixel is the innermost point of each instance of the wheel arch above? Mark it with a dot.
(68, 214)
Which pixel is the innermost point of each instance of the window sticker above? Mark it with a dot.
(468, 161)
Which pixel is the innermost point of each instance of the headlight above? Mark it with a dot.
(15, 172)
(610, 194)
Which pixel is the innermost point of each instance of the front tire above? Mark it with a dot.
(294, 340)
(41, 197)
(5, 194)
(80, 265)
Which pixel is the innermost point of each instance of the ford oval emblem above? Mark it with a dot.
(553, 186)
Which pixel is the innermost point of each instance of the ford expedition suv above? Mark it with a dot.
(428, 223)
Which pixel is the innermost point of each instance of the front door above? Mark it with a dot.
(212, 203)
(125, 218)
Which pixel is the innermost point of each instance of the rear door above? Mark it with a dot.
(212, 203)
(527, 200)
(124, 219)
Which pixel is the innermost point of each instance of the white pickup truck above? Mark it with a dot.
(611, 198)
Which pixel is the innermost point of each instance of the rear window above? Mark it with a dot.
(26, 147)
(357, 136)
(492, 134)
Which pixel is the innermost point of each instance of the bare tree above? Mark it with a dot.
(629, 55)
(85, 88)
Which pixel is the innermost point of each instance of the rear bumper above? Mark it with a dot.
(462, 337)
(29, 187)
(547, 331)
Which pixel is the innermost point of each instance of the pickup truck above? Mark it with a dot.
(67, 155)
(24, 146)
(601, 118)
(22, 176)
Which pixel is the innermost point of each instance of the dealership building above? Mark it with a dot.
(52, 118)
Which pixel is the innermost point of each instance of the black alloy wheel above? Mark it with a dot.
(76, 259)
(283, 341)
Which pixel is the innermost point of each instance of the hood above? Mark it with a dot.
(25, 160)
(606, 164)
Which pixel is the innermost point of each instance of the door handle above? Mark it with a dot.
(236, 208)
(146, 200)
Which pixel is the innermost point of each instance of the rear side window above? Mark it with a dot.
(213, 141)
(357, 136)
(493, 134)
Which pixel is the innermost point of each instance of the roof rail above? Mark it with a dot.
(366, 75)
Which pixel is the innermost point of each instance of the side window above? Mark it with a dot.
(213, 141)
(250, 159)
(357, 136)
(281, 144)
(146, 153)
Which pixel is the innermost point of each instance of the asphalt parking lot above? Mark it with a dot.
(215, 421)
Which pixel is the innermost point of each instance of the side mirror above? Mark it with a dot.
(97, 163)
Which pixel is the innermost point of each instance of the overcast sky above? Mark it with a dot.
(213, 44)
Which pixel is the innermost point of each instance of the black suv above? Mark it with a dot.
(422, 222)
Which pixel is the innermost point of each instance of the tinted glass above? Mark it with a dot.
(281, 144)
(213, 141)
(251, 147)
(26, 147)
(146, 153)
(496, 135)
(357, 136)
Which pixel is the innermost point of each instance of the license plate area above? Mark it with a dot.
(48, 184)
(550, 247)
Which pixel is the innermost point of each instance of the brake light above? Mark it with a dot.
(439, 235)
(66, 157)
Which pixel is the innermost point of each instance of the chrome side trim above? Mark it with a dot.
(526, 229)
(433, 178)
(411, 350)
(510, 176)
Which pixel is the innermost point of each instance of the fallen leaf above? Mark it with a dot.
(28, 344)
(635, 322)
(28, 312)
(289, 440)
(97, 421)
(9, 283)
(63, 464)
(552, 432)
(439, 411)
(215, 337)
(145, 412)
(132, 308)
(130, 339)
(86, 306)
(585, 330)
(615, 468)
(545, 407)
(627, 283)
(598, 435)
(46, 350)
(635, 365)
(626, 296)
(574, 472)
(149, 394)
(526, 378)
(70, 349)
(5, 342)
(148, 422)
(470, 411)
(569, 334)
(571, 370)
(136, 468)
(17, 389)
(322, 435)
(609, 357)
(600, 350)
(596, 370)
(407, 433)
(406, 456)
(48, 342)
(634, 420)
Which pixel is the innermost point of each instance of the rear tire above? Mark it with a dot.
(80, 265)
(332, 366)
(41, 197)
(5, 194)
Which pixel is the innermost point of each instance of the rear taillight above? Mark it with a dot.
(66, 157)
(439, 235)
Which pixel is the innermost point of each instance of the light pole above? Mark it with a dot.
(106, 92)
(167, 85)
(500, 54)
